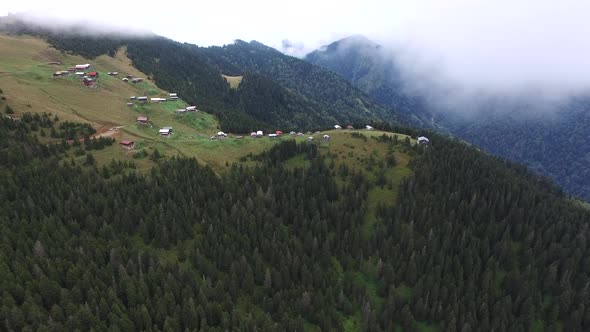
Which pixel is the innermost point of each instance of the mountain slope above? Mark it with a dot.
(374, 70)
(523, 131)
(316, 84)
(360, 230)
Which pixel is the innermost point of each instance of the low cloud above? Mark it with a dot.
(71, 25)
(292, 48)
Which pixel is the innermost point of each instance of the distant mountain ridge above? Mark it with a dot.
(374, 70)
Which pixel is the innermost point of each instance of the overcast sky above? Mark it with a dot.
(501, 44)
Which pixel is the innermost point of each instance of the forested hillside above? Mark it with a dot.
(323, 87)
(471, 242)
(550, 143)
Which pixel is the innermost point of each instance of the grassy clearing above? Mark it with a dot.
(426, 327)
(352, 323)
(234, 81)
(370, 285)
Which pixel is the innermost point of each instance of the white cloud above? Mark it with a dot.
(501, 45)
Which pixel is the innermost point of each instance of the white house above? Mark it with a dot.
(180, 111)
(326, 138)
(84, 66)
(157, 100)
(253, 134)
(191, 108)
(310, 139)
(221, 134)
(337, 127)
(423, 140)
(369, 127)
(165, 132)
(259, 133)
(173, 95)
(272, 135)
(142, 98)
(79, 73)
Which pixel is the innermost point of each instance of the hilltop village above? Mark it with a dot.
(90, 78)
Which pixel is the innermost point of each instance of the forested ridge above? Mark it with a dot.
(296, 95)
(473, 243)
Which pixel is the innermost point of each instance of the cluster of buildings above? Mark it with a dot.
(88, 79)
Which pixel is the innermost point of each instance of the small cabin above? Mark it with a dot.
(125, 79)
(80, 73)
(259, 133)
(132, 97)
(278, 132)
(180, 111)
(157, 100)
(310, 139)
(369, 127)
(173, 94)
(326, 138)
(337, 127)
(221, 134)
(253, 134)
(126, 144)
(113, 73)
(423, 140)
(143, 119)
(300, 134)
(142, 98)
(136, 80)
(129, 104)
(93, 74)
(292, 133)
(165, 132)
(191, 108)
(84, 66)
(273, 135)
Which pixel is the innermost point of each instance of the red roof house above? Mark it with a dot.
(349, 127)
(126, 144)
(92, 74)
(278, 132)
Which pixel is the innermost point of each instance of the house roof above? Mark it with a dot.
(142, 118)
(126, 142)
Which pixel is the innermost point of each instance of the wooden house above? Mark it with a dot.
(143, 119)
(128, 145)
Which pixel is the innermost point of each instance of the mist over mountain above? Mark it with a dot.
(541, 130)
